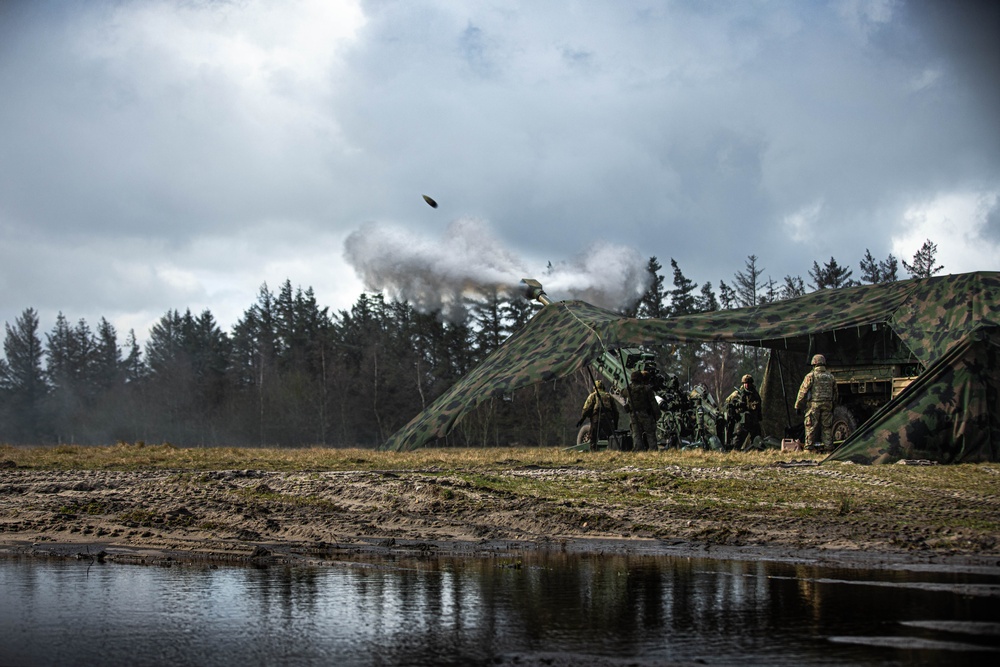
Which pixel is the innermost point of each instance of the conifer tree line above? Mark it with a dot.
(291, 373)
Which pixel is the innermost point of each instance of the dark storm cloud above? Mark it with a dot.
(161, 155)
(966, 35)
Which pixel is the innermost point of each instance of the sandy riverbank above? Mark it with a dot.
(876, 518)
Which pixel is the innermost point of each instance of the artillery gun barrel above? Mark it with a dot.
(533, 291)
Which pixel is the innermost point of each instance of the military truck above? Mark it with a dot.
(863, 389)
(692, 419)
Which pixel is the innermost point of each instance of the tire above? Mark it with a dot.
(844, 423)
(583, 435)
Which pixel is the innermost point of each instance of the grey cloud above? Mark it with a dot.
(966, 33)
(991, 229)
(685, 130)
(476, 51)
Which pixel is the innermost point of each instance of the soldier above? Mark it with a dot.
(821, 388)
(641, 404)
(743, 407)
(677, 410)
(602, 410)
(673, 398)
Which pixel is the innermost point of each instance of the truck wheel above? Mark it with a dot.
(844, 423)
(583, 435)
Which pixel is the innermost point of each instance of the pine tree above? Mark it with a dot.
(791, 287)
(487, 322)
(23, 386)
(771, 292)
(109, 371)
(888, 268)
(706, 301)
(187, 358)
(747, 283)
(127, 406)
(652, 303)
(253, 368)
(134, 366)
(517, 310)
(870, 270)
(748, 294)
(682, 299)
(830, 276)
(923, 262)
(727, 297)
(876, 272)
(71, 371)
(291, 347)
(165, 346)
(66, 364)
(208, 348)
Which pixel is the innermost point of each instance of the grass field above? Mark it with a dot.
(125, 456)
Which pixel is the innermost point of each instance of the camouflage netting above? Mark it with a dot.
(561, 338)
(926, 318)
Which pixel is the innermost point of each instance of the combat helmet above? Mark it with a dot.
(819, 360)
(747, 379)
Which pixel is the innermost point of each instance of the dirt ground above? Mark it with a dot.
(252, 516)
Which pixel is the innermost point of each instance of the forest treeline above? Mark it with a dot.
(291, 373)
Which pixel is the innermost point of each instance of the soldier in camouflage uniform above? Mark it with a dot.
(641, 404)
(676, 413)
(743, 407)
(821, 389)
(601, 409)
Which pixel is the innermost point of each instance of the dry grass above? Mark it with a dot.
(125, 456)
(738, 481)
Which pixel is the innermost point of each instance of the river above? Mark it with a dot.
(534, 608)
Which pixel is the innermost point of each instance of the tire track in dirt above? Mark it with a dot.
(241, 511)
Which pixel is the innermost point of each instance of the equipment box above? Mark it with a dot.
(790, 445)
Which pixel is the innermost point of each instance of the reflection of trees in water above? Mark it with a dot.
(286, 589)
(463, 611)
(468, 608)
(546, 596)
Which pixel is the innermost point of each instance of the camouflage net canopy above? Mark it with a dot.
(946, 324)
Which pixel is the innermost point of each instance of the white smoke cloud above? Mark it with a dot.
(470, 263)
(607, 275)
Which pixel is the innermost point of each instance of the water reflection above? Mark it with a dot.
(652, 610)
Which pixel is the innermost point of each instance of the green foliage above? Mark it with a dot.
(876, 272)
(653, 302)
(23, 384)
(831, 275)
(923, 262)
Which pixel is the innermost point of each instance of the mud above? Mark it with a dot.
(262, 517)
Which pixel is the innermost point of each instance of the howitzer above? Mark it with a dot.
(684, 420)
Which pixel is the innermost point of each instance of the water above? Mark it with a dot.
(532, 609)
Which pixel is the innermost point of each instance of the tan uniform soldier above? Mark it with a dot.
(602, 411)
(821, 389)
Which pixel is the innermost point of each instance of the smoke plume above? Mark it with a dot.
(470, 263)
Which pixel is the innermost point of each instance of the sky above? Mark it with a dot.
(181, 155)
